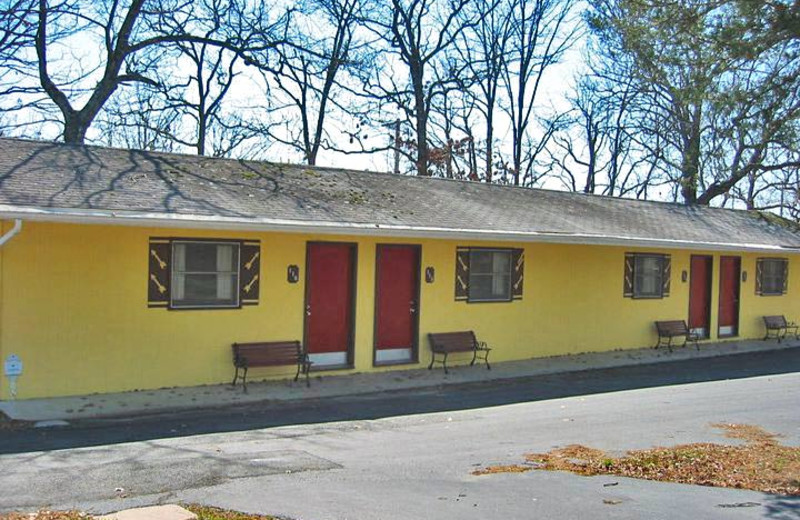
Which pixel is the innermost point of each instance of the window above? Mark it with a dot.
(489, 275)
(205, 274)
(772, 273)
(647, 275)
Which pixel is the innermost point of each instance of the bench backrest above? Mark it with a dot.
(263, 354)
(672, 328)
(462, 341)
(775, 322)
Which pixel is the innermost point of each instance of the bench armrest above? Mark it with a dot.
(481, 345)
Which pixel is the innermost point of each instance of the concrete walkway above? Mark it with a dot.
(152, 401)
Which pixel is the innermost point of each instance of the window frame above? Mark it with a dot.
(237, 245)
(510, 253)
(784, 263)
(635, 294)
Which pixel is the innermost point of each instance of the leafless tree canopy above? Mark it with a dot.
(694, 101)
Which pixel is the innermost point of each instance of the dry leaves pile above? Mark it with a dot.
(46, 515)
(760, 464)
(12, 424)
(202, 512)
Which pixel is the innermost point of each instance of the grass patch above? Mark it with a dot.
(761, 463)
(215, 513)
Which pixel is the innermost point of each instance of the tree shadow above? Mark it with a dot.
(780, 507)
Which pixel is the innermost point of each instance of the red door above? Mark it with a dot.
(729, 295)
(396, 294)
(700, 295)
(329, 303)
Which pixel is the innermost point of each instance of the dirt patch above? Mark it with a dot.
(12, 424)
(511, 468)
(760, 463)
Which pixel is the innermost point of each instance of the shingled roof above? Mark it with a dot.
(58, 182)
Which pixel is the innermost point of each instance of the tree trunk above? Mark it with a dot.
(690, 161)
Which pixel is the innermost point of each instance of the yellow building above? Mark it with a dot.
(123, 270)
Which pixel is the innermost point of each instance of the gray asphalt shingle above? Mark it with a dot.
(37, 174)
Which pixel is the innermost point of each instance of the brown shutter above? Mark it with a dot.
(627, 289)
(462, 273)
(759, 274)
(517, 272)
(785, 276)
(666, 274)
(159, 256)
(249, 272)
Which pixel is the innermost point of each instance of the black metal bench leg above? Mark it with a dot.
(474, 357)
(297, 375)
(235, 376)
(444, 363)
(433, 358)
(244, 380)
(486, 358)
(308, 369)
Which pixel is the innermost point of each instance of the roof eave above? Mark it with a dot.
(172, 220)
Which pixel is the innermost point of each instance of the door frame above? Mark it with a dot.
(738, 297)
(353, 298)
(415, 332)
(709, 288)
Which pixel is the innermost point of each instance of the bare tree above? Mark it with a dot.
(305, 76)
(483, 48)
(131, 39)
(541, 32)
(417, 33)
(712, 113)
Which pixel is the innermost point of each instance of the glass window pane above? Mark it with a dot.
(480, 262)
(647, 277)
(772, 274)
(490, 275)
(205, 274)
(201, 257)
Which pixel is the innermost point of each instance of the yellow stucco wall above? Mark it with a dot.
(73, 307)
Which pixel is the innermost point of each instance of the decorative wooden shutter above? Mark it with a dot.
(759, 274)
(462, 273)
(627, 289)
(666, 274)
(517, 273)
(159, 255)
(785, 276)
(249, 272)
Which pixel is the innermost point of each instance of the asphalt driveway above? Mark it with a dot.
(410, 454)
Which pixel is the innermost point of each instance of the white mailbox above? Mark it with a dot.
(12, 366)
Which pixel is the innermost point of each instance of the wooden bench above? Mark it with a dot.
(445, 343)
(667, 330)
(269, 354)
(778, 327)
